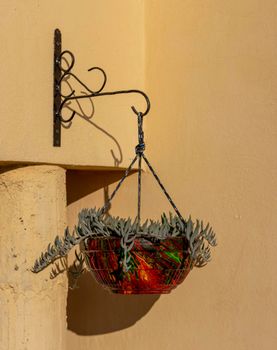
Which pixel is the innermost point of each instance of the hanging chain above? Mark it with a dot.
(140, 148)
(108, 202)
(128, 242)
(163, 189)
(139, 152)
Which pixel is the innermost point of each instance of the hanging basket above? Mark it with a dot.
(155, 267)
(130, 257)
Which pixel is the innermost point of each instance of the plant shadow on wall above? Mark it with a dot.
(92, 310)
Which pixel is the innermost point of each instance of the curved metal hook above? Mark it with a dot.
(96, 94)
(65, 71)
(69, 95)
(59, 115)
(104, 75)
(68, 73)
(59, 60)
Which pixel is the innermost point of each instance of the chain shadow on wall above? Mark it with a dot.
(92, 310)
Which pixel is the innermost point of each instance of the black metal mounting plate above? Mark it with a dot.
(56, 92)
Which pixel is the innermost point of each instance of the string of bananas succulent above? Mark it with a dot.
(92, 223)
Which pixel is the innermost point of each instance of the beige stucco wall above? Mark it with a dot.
(102, 33)
(210, 70)
(211, 75)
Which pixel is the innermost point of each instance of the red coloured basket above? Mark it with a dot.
(154, 268)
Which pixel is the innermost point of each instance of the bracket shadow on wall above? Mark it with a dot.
(61, 101)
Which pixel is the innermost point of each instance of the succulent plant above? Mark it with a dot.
(92, 223)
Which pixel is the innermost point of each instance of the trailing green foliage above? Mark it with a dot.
(93, 224)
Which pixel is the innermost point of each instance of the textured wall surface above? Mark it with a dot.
(105, 33)
(210, 70)
(32, 211)
(216, 117)
(212, 136)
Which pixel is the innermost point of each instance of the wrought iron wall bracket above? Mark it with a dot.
(62, 73)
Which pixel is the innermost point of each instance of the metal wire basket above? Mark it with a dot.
(154, 267)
